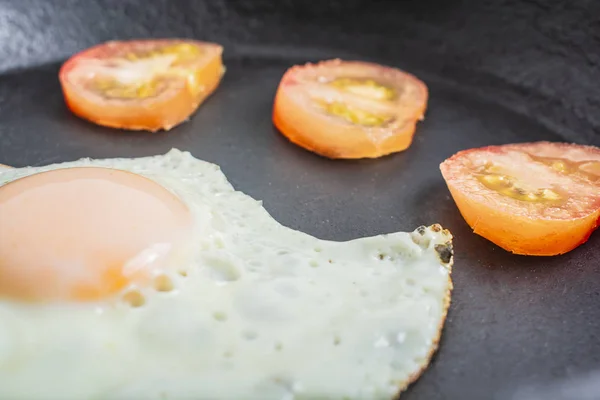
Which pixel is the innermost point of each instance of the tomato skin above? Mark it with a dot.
(521, 233)
(331, 138)
(525, 236)
(299, 126)
(163, 112)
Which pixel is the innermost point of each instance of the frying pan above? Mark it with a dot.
(498, 72)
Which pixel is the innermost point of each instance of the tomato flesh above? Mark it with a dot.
(533, 198)
(141, 85)
(349, 109)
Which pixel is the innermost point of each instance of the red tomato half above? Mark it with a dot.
(141, 84)
(349, 109)
(532, 198)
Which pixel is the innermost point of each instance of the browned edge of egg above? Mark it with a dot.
(446, 256)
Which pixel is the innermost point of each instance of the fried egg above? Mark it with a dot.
(153, 278)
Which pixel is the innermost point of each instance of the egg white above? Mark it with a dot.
(258, 310)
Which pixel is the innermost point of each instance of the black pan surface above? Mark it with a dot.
(513, 320)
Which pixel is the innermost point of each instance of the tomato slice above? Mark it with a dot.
(349, 109)
(141, 84)
(533, 198)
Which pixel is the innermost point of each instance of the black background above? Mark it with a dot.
(498, 72)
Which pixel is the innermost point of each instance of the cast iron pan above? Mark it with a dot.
(514, 321)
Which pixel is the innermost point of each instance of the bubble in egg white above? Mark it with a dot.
(256, 311)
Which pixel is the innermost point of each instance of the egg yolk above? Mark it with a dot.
(84, 234)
